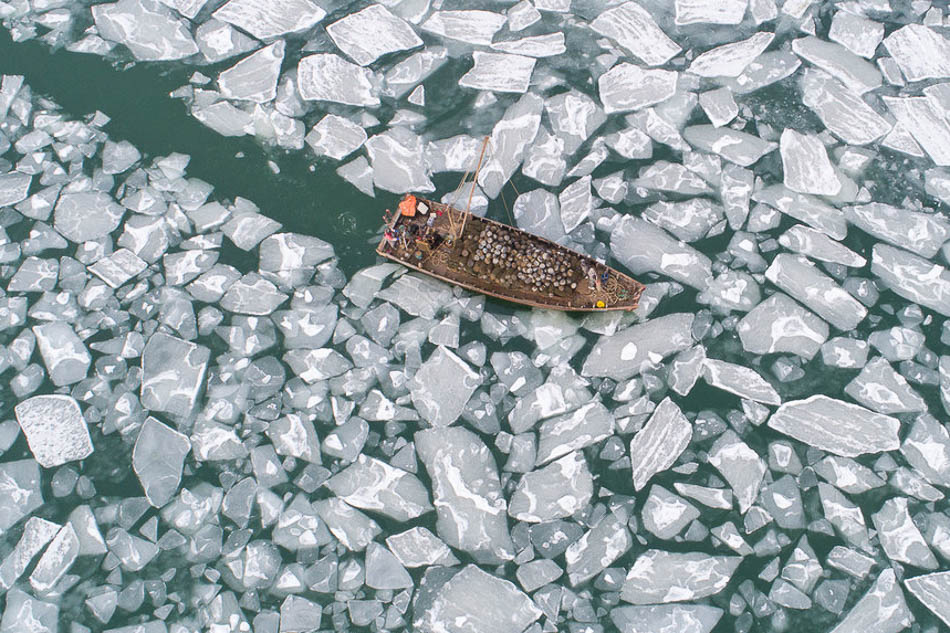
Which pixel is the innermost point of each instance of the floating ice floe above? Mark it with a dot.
(710, 11)
(471, 27)
(836, 426)
(806, 166)
(329, 77)
(632, 26)
(55, 429)
(802, 280)
(920, 51)
(254, 78)
(149, 29)
(628, 87)
(912, 277)
(266, 19)
(643, 247)
(658, 576)
(729, 60)
(367, 35)
(499, 72)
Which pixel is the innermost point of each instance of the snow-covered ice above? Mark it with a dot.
(367, 35)
(150, 30)
(329, 77)
(266, 19)
(836, 426)
(803, 281)
(729, 60)
(632, 26)
(499, 72)
(628, 87)
(806, 166)
(254, 78)
(55, 429)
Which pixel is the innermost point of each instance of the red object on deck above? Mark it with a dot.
(408, 206)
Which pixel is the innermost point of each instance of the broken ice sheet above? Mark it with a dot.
(14, 188)
(779, 324)
(882, 609)
(442, 387)
(472, 27)
(55, 429)
(20, 492)
(558, 490)
(367, 35)
(499, 72)
(371, 484)
(710, 11)
(729, 60)
(643, 247)
(398, 161)
(173, 372)
(802, 280)
(738, 147)
(659, 443)
(921, 52)
(329, 77)
(632, 26)
(925, 122)
(842, 110)
(158, 458)
(150, 30)
(741, 467)
(679, 618)
(254, 78)
(739, 380)
(659, 576)
(836, 426)
(932, 591)
(912, 277)
(335, 137)
(806, 166)
(266, 19)
(628, 87)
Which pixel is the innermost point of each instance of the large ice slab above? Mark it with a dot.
(882, 389)
(402, 77)
(628, 87)
(149, 29)
(55, 429)
(932, 590)
(398, 161)
(730, 60)
(738, 147)
(597, 549)
(14, 187)
(881, 610)
(509, 139)
(917, 232)
(473, 600)
(927, 449)
(573, 431)
(254, 78)
(900, 537)
(371, 484)
(173, 372)
(471, 27)
(86, 215)
(806, 166)
(778, 325)
(624, 354)
(367, 35)
(742, 381)
(558, 490)
(329, 77)
(658, 576)
(740, 466)
(631, 26)
(841, 109)
(499, 72)
(158, 458)
(836, 426)
(659, 443)
(925, 122)
(912, 277)
(819, 246)
(809, 209)
(666, 618)
(710, 11)
(466, 493)
(857, 33)
(802, 280)
(644, 247)
(442, 387)
(64, 354)
(854, 72)
(266, 19)
(920, 51)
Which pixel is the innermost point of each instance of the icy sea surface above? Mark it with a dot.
(220, 412)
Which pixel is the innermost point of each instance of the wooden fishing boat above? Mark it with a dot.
(501, 261)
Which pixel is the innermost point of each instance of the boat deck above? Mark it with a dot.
(505, 262)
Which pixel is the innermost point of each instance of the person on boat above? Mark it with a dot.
(390, 238)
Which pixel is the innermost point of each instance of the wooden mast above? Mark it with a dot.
(472, 191)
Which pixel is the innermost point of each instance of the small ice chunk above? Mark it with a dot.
(473, 600)
(730, 60)
(927, 449)
(932, 590)
(631, 26)
(735, 146)
(806, 165)
(686, 369)
(802, 280)
(719, 105)
(467, 494)
(658, 576)
(741, 467)
(624, 354)
(398, 161)
(739, 380)
(23, 610)
(572, 431)
(173, 372)
(779, 325)
(836, 426)
(857, 33)
(254, 78)
(499, 72)
(384, 571)
(367, 35)
(188, 8)
(329, 77)
(55, 429)
(628, 87)
(681, 618)
(358, 173)
(353, 529)
(149, 30)
(522, 15)
(665, 514)
(547, 45)
(847, 474)
(643, 247)
(336, 137)
(158, 458)
(690, 220)
(912, 277)
(854, 72)
(659, 443)
(418, 547)
(20, 491)
(920, 233)
(252, 294)
(118, 267)
(559, 490)
(370, 484)
(66, 358)
(920, 51)
(882, 389)
(472, 27)
(14, 187)
(597, 549)
(841, 109)
(881, 610)
(900, 538)
(768, 68)
(575, 202)
(442, 387)
(84, 216)
(219, 41)
(402, 77)
(710, 11)
(818, 245)
(225, 119)
(267, 19)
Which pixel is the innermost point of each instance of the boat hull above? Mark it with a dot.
(504, 262)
